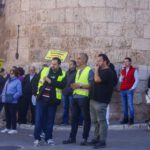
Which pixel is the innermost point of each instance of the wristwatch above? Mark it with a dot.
(80, 86)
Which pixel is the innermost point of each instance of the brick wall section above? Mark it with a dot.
(119, 28)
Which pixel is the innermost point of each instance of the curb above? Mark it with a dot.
(111, 127)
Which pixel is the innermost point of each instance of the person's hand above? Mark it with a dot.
(75, 86)
(47, 80)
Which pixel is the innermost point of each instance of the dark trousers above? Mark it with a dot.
(23, 106)
(1, 106)
(67, 101)
(44, 119)
(80, 105)
(10, 112)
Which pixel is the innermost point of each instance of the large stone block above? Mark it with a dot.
(133, 30)
(132, 3)
(122, 43)
(24, 43)
(67, 3)
(42, 16)
(115, 29)
(147, 31)
(56, 15)
(35, 4)
(141, 44)
(99, 14)
(102, 42)
(124, 15)
(69, 29)
(116, 3)
(98, 29)
(82, 29)
(85, 42)
(92, 3)
(143, 72)
(75, 15)
(48, 4)
(139, 4)
(143, 17)
(25, 5)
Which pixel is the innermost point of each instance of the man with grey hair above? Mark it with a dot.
(26, 101)
(83, 79)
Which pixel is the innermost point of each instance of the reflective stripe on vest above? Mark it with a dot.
(45, 73)
(83, 80)
(59, 91)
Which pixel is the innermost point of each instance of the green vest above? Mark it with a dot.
(83, 80)
(45, 73)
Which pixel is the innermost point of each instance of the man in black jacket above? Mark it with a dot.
(26, 101)
(49, 94)
(68, 91)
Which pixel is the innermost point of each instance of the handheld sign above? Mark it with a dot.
(1, 62)
(56, 53)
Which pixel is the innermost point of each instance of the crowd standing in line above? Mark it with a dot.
(85, 91)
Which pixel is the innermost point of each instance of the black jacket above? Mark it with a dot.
(27, 85)
(149, 82)
(70, 79)
(2, 83)
(54, 84)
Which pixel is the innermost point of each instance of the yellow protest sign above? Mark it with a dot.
(1, 62)
(56, 53)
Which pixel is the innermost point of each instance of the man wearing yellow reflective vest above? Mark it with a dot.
(83, 79)
(49, 94)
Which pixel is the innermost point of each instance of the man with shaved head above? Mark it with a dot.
(83, 79)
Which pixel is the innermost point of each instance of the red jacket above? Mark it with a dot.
(128, 79)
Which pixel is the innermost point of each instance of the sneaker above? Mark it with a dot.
(12, 132)
(4, 130)
(50, 142)
(100, 145)
(69, 141)
(84, 143)
(37, 143)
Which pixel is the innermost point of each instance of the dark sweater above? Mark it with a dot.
(67, 91)
(149, 82)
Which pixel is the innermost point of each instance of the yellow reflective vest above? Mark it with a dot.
(82, 79)
(45, 73)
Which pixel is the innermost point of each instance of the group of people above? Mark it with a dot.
(88, 92)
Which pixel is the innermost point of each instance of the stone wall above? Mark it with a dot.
(119, 28)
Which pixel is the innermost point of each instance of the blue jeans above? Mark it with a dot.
(127, 102)
(67, 101)
(44, 119)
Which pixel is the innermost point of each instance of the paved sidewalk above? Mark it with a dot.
(119, 138)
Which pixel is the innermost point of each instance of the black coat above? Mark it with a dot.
(2, 83)
(70, 79)
(149, 82)
(27, 85)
